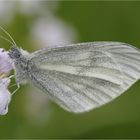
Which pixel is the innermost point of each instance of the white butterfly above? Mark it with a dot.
(79, 77)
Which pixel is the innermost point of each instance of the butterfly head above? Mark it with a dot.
(15, 53)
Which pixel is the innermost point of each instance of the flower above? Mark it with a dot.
(52, 31)
(5, 63)
(9, 9)
(5, 68)
(5, 95)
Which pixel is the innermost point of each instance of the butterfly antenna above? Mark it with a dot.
(8, 35)
(4, 38)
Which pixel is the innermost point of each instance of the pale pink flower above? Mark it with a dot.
(52, 31)
(5, 95)
(5, 68)
(5, 63)
(8, 8)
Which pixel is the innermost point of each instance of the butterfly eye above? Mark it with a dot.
(14, 53)
(17, 55)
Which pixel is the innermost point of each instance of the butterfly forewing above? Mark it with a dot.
(84, 76)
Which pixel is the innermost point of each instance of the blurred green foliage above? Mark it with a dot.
(94, 21)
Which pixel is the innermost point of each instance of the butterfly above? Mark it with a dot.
(79, 77)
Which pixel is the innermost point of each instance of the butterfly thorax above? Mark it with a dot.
(21, 65)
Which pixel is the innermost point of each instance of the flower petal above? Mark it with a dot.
(5, 63)
(5, 96)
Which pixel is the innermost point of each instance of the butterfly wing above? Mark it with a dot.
(84, 76)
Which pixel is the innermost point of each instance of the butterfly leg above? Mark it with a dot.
(18, 87)
(12, 76)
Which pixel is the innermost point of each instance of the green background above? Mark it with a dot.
(94, 21)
